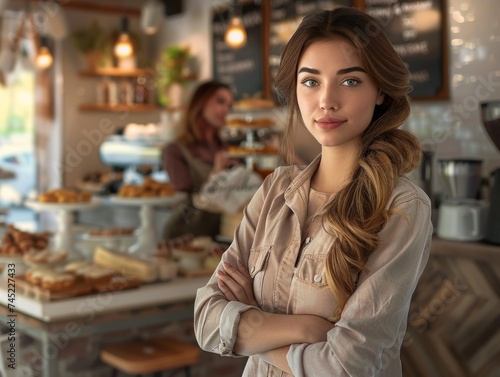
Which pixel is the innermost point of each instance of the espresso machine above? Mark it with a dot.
(490, 116)
(462, 216)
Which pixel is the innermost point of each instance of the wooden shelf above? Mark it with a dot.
(118, 107)
(117, 72)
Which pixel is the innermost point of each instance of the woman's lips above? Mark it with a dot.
(329, 123)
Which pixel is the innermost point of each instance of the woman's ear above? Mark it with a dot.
(380, 98)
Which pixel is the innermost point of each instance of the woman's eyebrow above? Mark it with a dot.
(342, 71)
(309, 70)
(349, 70)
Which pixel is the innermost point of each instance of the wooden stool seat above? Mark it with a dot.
(149, 356)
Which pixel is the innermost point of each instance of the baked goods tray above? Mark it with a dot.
(80, 288)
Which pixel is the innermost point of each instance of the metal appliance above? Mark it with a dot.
(490, 116)
(462, 217)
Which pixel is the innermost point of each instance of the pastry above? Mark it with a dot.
(16, 242)
(246, 122)
(254, 103)
(149, 189)
(49, 279)
(76, 265)
(45, 257)
(57, 281)
(118, 283)
(65, 196)
(107, 232)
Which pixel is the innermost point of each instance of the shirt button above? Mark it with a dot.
(318, 278)
(308, 239)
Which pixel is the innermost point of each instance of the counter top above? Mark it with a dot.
(477, 250)
(151, 294)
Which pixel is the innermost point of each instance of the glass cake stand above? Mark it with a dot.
(64, 239)
(147, 238)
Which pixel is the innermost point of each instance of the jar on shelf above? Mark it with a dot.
(126, 92)
(107, 92)
(141, 91)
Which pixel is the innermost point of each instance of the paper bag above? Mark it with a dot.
(228, 191)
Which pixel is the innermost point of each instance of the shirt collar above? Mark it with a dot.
(297, 192)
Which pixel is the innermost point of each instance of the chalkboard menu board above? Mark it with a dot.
(286, 15)
(415, 28)
(241, 68)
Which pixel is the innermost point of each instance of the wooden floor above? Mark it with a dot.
(454, 321)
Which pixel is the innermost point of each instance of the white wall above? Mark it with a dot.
(83, 131)
(454, 127)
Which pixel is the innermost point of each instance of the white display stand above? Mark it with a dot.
(64, 237)
(147, 238)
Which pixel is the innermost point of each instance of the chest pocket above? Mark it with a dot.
(257, 262)
(309, 290)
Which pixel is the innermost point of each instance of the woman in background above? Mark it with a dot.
(197, 153)
(319, 278)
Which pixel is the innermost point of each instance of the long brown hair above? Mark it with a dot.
(194, 125)
(358, 212)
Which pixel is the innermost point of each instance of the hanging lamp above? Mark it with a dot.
(44, 58)
(123, 47)
(236, 35)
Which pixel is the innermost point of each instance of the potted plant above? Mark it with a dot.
(173, 72)
(94, 44)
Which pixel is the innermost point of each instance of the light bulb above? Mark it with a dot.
(236, 35)
(44, 58)
(123, 46)
(152, 16)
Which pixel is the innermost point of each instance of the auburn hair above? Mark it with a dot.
(359, 210)
(193, 124)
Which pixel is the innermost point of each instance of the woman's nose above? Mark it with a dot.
(329, 99)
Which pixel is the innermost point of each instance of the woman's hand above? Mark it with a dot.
(222, 161)
(236, 284)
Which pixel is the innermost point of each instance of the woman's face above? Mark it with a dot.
(217, 107)
(336, 97)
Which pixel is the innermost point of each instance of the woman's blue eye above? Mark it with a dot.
(310, 82)
(350, 82)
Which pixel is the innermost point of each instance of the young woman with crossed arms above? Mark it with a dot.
(319, 277)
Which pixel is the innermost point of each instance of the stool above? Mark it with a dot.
(151, 356)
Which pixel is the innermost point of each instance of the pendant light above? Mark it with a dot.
(152, 14)
(236, 35)
(123, 47)
(43, 58)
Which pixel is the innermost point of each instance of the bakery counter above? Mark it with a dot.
(179, 289)
(63, 337)
(453, 325)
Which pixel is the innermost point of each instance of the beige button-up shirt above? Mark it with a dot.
(366, 341)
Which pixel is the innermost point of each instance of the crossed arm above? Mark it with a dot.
(271, 338)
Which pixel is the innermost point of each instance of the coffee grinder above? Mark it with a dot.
(490, 116)
(461, 217)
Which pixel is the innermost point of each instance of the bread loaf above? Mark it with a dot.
(126, 264)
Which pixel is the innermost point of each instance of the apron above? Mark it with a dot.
(187, 219)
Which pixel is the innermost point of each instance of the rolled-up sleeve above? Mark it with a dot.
(216, 319)
(366, 340)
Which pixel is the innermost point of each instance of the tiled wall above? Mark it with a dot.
(453, 128)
